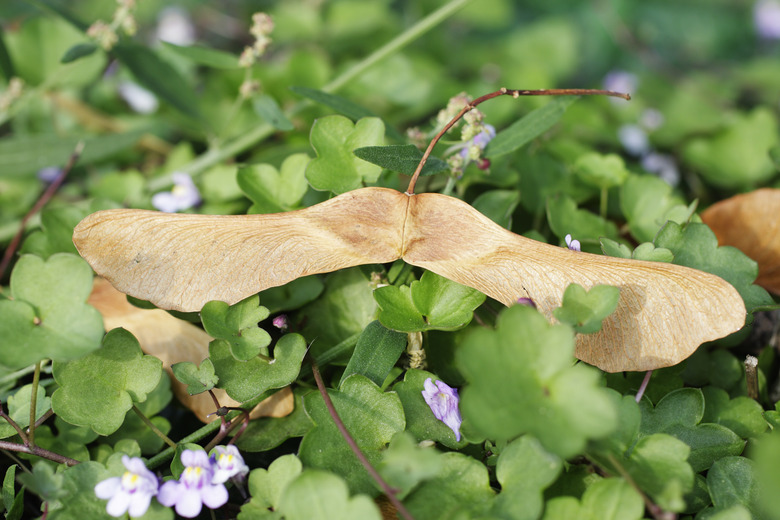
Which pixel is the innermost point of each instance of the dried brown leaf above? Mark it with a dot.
(751, 223)
(182, 261)
(172, 341)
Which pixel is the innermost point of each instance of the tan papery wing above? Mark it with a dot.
(183, 261)
(664, 313)
(751, 223)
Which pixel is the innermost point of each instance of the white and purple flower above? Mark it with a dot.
(227, 463)
(195, 487)
(572, 244)
(443, 401)
(132, 492)
(184, 195)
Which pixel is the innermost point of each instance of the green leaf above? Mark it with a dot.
(526, 365)
(198, 379)
(562, 508)
(273, 191)
(238, 325)
(524, 470)
(266, 433)
(48, 316)
(602, 171)
(44, 482)
(56, 233)
(585, 310)
(611, 498)
(159, 77)
(135, 431)
(498, 205)
(431, 303)
(266, 107)
(406, 463)
(648, 252)
(529, 127)
(566, 219)
(696, 246)
(461, 489)
(13, 502)
(645, 201)
(292, 295)
(372, 418)
(765, 452)
(679, 413)
(127, 187)
(204, 55)
(26, 154)
(267, 485)
(377, 351)
(243, 380)
(401, 158)
(739, 154)
(420, 421)
(6, 65)
(318, 495)
(78, 51)
(732, 481)
(19, 409)
(613, 248)
(97, 390)
(742, 415)
(336, 168)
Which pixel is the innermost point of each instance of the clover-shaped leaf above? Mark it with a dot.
(742, 415)
(679, 413)
(406, 463)
(371, 416)
(525, 365)
(243, 380)
(601, 171)
(47, 315)
(98, 390)
(644, 201)
(431, 303)
(197, 378)
(55, 235)
(267, 485)
(238, 325)
(336, 168)
(272, 190)
(19, 409)
(611, 499)
(524, 470)
(585, 310)
(739, 155)
(461, 489)
(566, 219)
(318, 495)
(644, 251)
(695, 246)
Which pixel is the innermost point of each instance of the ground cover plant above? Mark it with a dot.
(567, 310)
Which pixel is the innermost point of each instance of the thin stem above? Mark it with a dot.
(654, 508)
(33, 404)
(47, 194)
(643, 386)
(40, 452)
(449, 186)
(354, 447)
(505, 92)
(154, 428)
(603, 203)
(13, 424)
(751, 376)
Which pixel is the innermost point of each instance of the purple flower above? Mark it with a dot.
(184, 195)
(132, 492)
(766, 18)
(528, 302)
(474, 146)
(443, 401)
(280, 322)
(227, 463)
(194, 487)
(139, 99)
(49, 174)
(574, 245)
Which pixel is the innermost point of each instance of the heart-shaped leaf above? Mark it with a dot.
(275, 191)
(197, 378)
(585, 310)
(238, 325)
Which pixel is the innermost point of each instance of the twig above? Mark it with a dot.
(643, 386)
(505, 92)
(751, 376)
(40, 452)
(354, 447)
(44, 198)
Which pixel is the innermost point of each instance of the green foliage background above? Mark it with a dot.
(543, 437)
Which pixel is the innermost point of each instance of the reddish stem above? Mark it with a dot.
(514, 94)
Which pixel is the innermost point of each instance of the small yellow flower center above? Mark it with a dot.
(129, 480)
(179, 190)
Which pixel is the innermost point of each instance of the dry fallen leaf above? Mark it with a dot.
(751, 223)
(172, 341)
(183, 261)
